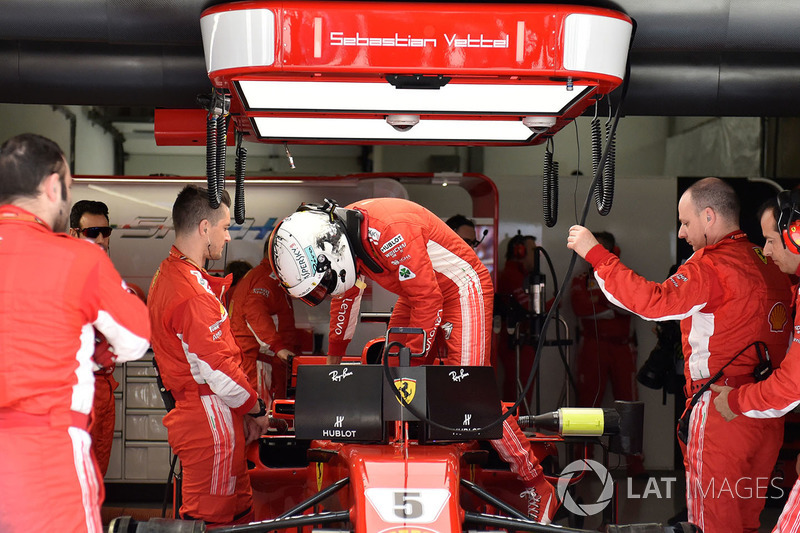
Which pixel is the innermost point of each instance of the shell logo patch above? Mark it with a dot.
(778, 316)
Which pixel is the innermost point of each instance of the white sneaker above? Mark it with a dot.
(542, 502)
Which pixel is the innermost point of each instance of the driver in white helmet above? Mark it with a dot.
(441, 284)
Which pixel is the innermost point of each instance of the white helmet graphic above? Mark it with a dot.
(311, 254)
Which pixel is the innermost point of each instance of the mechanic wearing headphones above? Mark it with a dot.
(442, 286)
(56, 291)
(728, 296)
(199, 362)
(512, 305)
(780, 393)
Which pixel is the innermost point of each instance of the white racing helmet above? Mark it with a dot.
(311, 254)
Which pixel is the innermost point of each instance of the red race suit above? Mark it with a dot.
(442, 287)
(607, 350)
(103, 414)
(56, 291)
(200, 363)
(774, 397)
(727, 296)
(262, 320)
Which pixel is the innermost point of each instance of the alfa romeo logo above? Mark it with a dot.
(576, 467)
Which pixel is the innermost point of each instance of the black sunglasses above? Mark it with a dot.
(92, 233)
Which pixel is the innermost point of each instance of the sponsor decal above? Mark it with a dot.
(405, 274)
(401, 260)
(760, 254)
(467, 419)
(407, 388)
(341, 317)
(373, 235)
(778, 316)
(336, 376)
(678, 277)
(319, 468)
(391, 243)
(339, 421)
(262, 292)
(458, 376)
(447, 328)
(397, 251)
(301, 260)
(312, 258)
(338, 433)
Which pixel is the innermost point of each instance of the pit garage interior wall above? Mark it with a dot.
(643, 218)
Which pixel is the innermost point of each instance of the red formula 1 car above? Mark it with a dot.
(378, 449)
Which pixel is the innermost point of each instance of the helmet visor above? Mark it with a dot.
(325, 286)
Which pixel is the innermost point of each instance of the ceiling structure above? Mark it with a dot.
(689, 57)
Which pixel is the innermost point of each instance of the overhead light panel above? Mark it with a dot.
(361, 129)
(381, 97)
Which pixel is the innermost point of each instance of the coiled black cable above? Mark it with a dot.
(214, 193)
(550, 186)
(604, 192)
(241, 165)
(222, 150)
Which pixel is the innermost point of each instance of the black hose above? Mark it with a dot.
(222, 150)
(214, 193)
(610, 169)
(550, 186)
(554, 306)
(241, 165)
(604, 192)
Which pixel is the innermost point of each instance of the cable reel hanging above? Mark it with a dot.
(217, 123)
(604, 192)
(550, 185)
(241, 167)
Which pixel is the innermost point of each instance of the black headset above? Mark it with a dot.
(789, 220)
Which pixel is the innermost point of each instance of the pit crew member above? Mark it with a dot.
(56, 291)
(441, 284)
(262, 320)
(727, 296)
(199, 362)
(780, 393)
(88, 220)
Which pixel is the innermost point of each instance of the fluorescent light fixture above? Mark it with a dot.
(376, 129)
(382, 98)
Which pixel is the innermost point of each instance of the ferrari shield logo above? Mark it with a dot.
(407, 388)
(760, 254)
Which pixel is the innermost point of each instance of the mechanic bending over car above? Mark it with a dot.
(200, 363)
(56, 292)
(728, 296)
(442, 286)
(780, 393)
